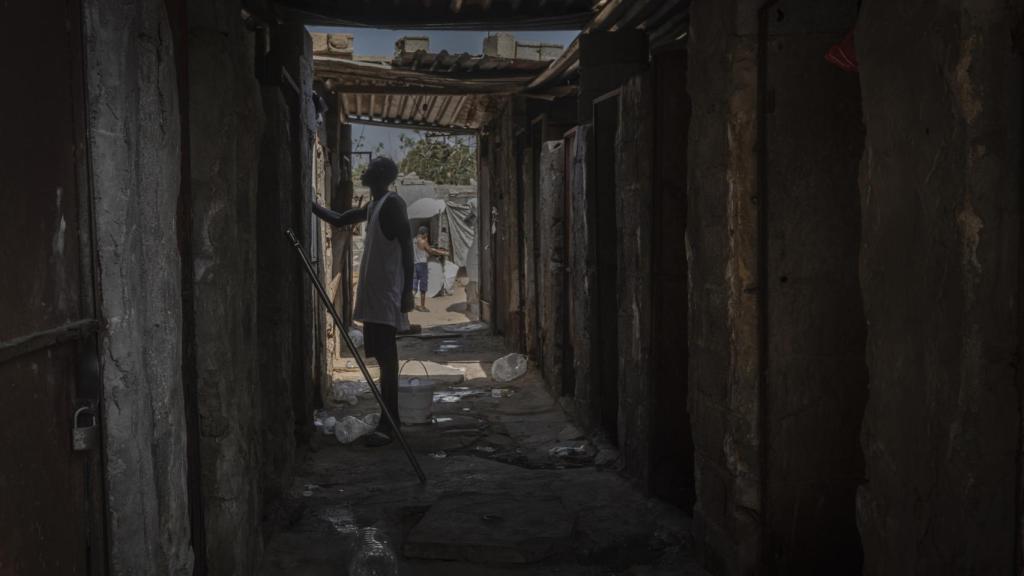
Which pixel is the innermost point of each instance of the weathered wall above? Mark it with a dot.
(940, 195)
(581, 275)
(134, 147)
(721, 242)
(672, 475)
(502, 167)
(816, 382)
(551, 206)
(278, 285)
(633, 180)
(225, 129)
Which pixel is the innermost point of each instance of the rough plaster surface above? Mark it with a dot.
(550, 211)
(940, 194)
(634, 178)
(582, 277)
(278, 286)
(134, 149)
(816, 374)
(225, 136)
(721, 247)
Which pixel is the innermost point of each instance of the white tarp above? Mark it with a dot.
(425, 208)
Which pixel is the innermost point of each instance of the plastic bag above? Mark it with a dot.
(508, 368)
(357, 337)
(374, 555)
(349, 429)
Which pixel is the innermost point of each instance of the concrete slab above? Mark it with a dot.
(489, 528)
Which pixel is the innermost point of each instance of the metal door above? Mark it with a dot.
(50, 518)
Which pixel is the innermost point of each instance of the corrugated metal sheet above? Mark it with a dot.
(428, 111)
(443, 14)
(456, 91)
(467, 64)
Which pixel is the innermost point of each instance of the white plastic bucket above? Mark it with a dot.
(415, 400)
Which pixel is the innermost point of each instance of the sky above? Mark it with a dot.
(378, 42)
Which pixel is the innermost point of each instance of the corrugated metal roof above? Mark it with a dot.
(467, 64)
(443, 14)
(426, 111)
(457, 91)
(424, 90)
(665, 21)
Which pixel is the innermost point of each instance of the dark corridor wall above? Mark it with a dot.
(940, 271)
(812, 320)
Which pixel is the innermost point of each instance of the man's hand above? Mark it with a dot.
(408, 301)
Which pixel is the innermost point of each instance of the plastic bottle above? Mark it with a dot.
(373, 555)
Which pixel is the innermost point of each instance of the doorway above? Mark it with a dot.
(672, 465)
(49, 375)
(606, 317)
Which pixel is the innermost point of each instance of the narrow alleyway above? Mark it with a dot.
(514, 487)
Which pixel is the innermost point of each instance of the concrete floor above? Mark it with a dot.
(498, 500)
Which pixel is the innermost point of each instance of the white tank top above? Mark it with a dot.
(419, 254)
(381, 277)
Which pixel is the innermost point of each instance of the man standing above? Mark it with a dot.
(423, 250)
(384, 292)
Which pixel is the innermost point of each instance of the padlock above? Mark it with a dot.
(84, 438)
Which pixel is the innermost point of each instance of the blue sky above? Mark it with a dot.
(378, 42)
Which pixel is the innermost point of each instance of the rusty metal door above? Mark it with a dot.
(51, 521)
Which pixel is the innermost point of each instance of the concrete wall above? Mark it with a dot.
(940, 194)
(581, 274)
(816, 377)
(634, 178)
(134, 148)
(550, 211)
(226, 124)
(721, 242)
(279, 283)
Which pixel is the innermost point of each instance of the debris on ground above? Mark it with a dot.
(324, 422)
(349, 429)
(347, 391)
(501, 392)
(467, 328)
(569, 450)
(508, 368)
(374, 555)
(455, 394)
(448, 346)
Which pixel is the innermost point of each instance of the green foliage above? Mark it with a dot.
(439, 158)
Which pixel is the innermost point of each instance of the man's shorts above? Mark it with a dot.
(419, 278)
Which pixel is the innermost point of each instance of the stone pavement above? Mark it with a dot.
(513, 487)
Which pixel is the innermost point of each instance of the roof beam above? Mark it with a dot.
(438, 14)
(416, 89)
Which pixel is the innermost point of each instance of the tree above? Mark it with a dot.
(439, 158)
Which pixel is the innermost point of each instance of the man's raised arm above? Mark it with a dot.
(346, 218)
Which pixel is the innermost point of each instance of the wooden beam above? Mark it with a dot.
(369, 89)
(512, 15)
(416, 126)
(47, 339)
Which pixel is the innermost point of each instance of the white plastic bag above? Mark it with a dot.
(508, 368)
(356, 336)
(349, 429)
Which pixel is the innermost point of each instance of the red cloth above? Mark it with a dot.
(844, 54)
